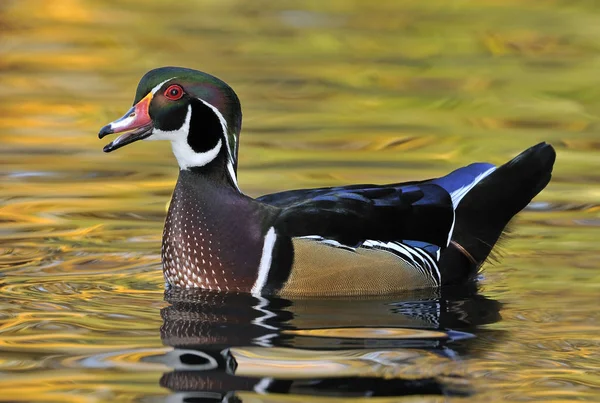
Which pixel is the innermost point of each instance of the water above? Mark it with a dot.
(333, 93)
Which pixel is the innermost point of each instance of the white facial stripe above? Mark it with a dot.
(221, 118)
(232, 174)
(156, 88)
(224, 127)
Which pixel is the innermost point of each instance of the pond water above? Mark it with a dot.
(333, 93)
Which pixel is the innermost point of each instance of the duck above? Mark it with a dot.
(345, 241)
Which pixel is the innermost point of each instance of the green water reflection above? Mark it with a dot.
(333, 93)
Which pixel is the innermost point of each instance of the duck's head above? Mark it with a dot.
(197, 112)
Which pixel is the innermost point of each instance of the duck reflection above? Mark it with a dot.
(236, 347)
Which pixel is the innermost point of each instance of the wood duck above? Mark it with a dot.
(340, 241)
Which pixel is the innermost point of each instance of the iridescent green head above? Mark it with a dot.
(197, 112)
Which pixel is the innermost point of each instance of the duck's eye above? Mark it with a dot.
(174, 92)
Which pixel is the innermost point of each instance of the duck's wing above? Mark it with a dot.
(353, 214)
(290, 197)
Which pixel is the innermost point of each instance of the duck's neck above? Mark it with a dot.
(214, 236)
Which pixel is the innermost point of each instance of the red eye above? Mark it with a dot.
(174, 92)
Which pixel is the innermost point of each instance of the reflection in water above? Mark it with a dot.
(228, 344)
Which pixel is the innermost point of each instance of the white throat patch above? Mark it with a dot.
(186, 156)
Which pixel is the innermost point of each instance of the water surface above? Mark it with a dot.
(333, 93)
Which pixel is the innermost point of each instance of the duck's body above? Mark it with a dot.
(244, 246)
(355, 240)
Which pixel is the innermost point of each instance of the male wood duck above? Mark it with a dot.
(340, 241)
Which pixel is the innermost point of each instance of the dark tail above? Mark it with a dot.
(486, 209)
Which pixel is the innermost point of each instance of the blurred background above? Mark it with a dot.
(332, 93)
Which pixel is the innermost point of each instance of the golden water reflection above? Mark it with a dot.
(333, 92)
